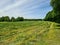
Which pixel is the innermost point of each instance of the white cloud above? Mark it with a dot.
(18, 3)
(22, 2)
(21, 7)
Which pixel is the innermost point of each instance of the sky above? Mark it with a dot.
(30, 9)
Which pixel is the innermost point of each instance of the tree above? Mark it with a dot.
(19, 19)
(6, 18)
(56, 7)
(50, 16)
(2, 18)
(13, 19)
(54, 15)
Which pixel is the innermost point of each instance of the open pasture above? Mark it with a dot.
(29, 33)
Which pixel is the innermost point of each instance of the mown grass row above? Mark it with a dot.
(32, 33)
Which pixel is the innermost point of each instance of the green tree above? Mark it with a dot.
(19, 19)
(6, 18)
(56, 7)
(13, 19)
(54, 15)
(2, 18)
(50, 16)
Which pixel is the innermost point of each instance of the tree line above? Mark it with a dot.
(54, 15)
(12, 19)
(33, 19)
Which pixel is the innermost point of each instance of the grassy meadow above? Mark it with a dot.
(29, 33)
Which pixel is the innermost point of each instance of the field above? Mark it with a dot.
(29, 33)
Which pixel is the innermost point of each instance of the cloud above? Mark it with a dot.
(25, 8)
(14, 5)
(17, 3)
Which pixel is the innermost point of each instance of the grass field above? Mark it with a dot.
(29, 33)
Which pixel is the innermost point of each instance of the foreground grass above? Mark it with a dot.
(29, 33)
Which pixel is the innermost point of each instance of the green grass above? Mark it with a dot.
(29, 33)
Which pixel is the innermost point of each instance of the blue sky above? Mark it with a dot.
(25, 8)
